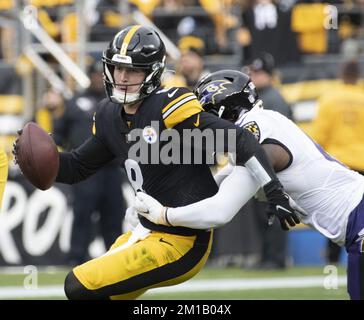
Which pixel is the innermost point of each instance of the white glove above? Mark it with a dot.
(151, 209)
(131, 218)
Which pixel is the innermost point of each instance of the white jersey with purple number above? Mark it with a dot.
(324, 188)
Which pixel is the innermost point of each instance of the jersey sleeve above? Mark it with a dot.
(84, 161)
(180, 105)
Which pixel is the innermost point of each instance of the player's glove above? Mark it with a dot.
(151, 209)
(15, 149)
(279, 205)
(131, 218)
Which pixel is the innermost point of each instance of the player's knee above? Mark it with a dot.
(75, 290)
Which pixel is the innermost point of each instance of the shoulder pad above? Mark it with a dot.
(179, 104)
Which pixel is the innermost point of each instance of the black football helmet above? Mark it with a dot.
(227, 93)
(134, 47)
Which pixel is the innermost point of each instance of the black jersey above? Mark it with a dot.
(173, 185)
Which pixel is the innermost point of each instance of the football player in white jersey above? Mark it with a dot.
(328, 194)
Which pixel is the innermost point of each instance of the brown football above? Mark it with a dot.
(37, 156)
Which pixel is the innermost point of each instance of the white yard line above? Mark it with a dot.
(248, 284)
(189, 286)
(41, 292)
(22, 269)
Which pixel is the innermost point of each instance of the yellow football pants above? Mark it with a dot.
(3, 173)
(161, 259)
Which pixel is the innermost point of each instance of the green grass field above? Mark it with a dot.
(55, 277)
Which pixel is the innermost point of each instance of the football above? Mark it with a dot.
(37, 156)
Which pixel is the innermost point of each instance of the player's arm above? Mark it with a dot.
(218, 209)
(3, 173)
(222, 174)
(185, 112)
(208, 213)
(277, 156)
(84, 161)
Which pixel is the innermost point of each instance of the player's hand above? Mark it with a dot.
(131, 218)
(280, 207)
(15, 149)
(151, 209)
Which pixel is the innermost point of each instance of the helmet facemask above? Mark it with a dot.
(227, 94)
(147, 86)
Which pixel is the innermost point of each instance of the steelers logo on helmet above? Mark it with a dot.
(135, 47)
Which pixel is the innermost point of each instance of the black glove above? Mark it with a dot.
(279, 205)
(15, 147)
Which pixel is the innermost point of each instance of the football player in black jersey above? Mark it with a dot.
(153, 255)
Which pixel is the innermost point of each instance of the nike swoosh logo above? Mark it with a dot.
(282, 208)
(197, 123)
(162, 240)
(170, 95)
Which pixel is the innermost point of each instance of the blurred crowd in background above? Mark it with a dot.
(305, 58)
